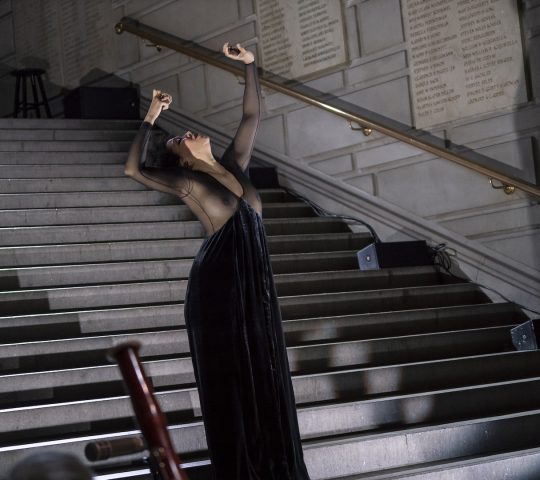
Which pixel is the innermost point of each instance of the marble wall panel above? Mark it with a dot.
(517, 154)
(380, 25)
(524, 248)
(192, 19)
(386, 153)
(271, 134)
(193, 90)
(495, 126)
(229, 117)
(363, 182)
(436, 187)
(390, 99)
(482, 223)
(334, 166)
(311, 131)
(377, 68)
(168, 84)
(223, 86)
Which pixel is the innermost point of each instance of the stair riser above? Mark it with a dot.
(298, 332)
(445, 406)
(119, 232)
(318, 358)
(352, 385)
(63, 171)
(156, 249)
(106, 199)
(377, 302)
(124, 214)
(75, 185)
(358, 456)
(304, 283)
(99, 233)
(65, 158)
(70, 135)
(68, 124)
(425, 446)
(88, 199)
(65, 146)
(76, 298)
(519, 466)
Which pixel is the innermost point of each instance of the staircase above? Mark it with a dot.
(398, 373)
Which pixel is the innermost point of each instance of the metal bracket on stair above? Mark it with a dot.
(508, 189)
(365, 130)
(158, 47)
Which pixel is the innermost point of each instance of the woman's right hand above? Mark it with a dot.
(160, 101)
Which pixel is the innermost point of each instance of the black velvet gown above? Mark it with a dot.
(232, 314)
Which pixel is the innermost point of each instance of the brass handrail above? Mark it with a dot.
(198, 52)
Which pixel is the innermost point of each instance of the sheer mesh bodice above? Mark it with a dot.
(207, 195)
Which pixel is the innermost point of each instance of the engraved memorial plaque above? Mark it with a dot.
(465, 57)
(299, 38)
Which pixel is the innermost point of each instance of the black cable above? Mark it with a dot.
(325, 213)
(444, 259)
(440, 255)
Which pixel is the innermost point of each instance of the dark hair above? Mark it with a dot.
(157, 154)
(50, 466)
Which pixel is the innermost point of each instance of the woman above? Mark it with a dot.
(232, 314)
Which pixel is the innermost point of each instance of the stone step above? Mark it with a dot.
(52, 299)
(50, 326)
(90, 351)
(289, 247)
(348, 303)
(519, 462)
(111, 199)
(101, 381)
(516, 464)
(68, 124)
(345, 455)
(149, 270)
(62, 158)
(315, 420)
(74, 185)
(26, 134)
(363, 454)
(60, 171)
(65, 146)
(27, 201)
(129, 214)
(41, 235)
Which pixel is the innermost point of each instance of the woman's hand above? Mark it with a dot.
(160, 101)
(244, 56)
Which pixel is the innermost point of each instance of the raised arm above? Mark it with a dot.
(153, 178)
(242, 145)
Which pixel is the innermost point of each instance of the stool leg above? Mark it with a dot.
(44, 96)
(35, 94)
(17, 98)
(25, 112)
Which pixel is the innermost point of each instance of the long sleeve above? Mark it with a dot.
(241, 147)
(158, 179)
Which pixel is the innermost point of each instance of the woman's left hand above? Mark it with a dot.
(244, 56)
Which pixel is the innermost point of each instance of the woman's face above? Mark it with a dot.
(190, 145)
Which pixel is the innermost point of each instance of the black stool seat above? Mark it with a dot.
(34, 75)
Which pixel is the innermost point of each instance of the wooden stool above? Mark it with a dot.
(34, 74)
